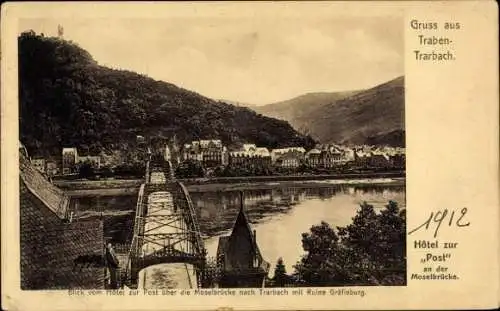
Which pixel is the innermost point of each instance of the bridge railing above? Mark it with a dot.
(185, 199)
(146, 176)
(171, 170)
(138, 226)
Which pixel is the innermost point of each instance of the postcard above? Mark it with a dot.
(250, 155)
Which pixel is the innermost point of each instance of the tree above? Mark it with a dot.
(189, 169)
(86, 171)
(370, 251)
(106, 171)
(318, 266)
(382, 238)
(134, 169)
(280, 278)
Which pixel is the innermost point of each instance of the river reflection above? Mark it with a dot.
(281, 215)
(217, 210)
(118, 214)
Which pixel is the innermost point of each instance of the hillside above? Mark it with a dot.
(235, 103)
(373, 116)
(67, 99)
(297, 110)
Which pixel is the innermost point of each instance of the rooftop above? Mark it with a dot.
(50, 247)
(234, 246)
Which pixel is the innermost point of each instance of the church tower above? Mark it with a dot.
(60, 31)
(238, 256)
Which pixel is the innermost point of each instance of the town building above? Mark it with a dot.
(379, 160)
(167, 155)
(398, 160)
(39, 164)
(239, 259)
(291, 159)
(210, 152)
(111, 158)
(249, 147)
(171, 152)
(175, 154)
(52, 168)
(313, 157)
(348, 155)
(331, 158)
(326, 157)
(277, 153)
(94, 161)
(140, 139)
(213, 153)
(192, 152)
(251, 155)
(361, 158)
(69, 160)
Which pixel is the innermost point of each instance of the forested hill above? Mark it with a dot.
(67, 99)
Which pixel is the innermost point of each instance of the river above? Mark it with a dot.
(279, 215)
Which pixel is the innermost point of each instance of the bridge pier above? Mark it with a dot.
(133, 275)
(201, 277)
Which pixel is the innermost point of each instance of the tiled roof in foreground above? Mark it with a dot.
(50, 245)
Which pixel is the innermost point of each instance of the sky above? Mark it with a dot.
(251, 59)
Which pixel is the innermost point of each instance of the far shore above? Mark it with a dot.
(209, 187)
(102, 192)
(85, 184)
(295, 178)
(114, 187)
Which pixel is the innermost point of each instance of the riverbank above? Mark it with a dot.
(108, 187)
(294, 178)
(131, 186)
(102, 192)
(210, 187)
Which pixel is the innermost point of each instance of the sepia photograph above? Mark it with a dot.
(270, 155)
(191, 152)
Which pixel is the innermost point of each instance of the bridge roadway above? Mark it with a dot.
(170, 275)
(167, 250)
